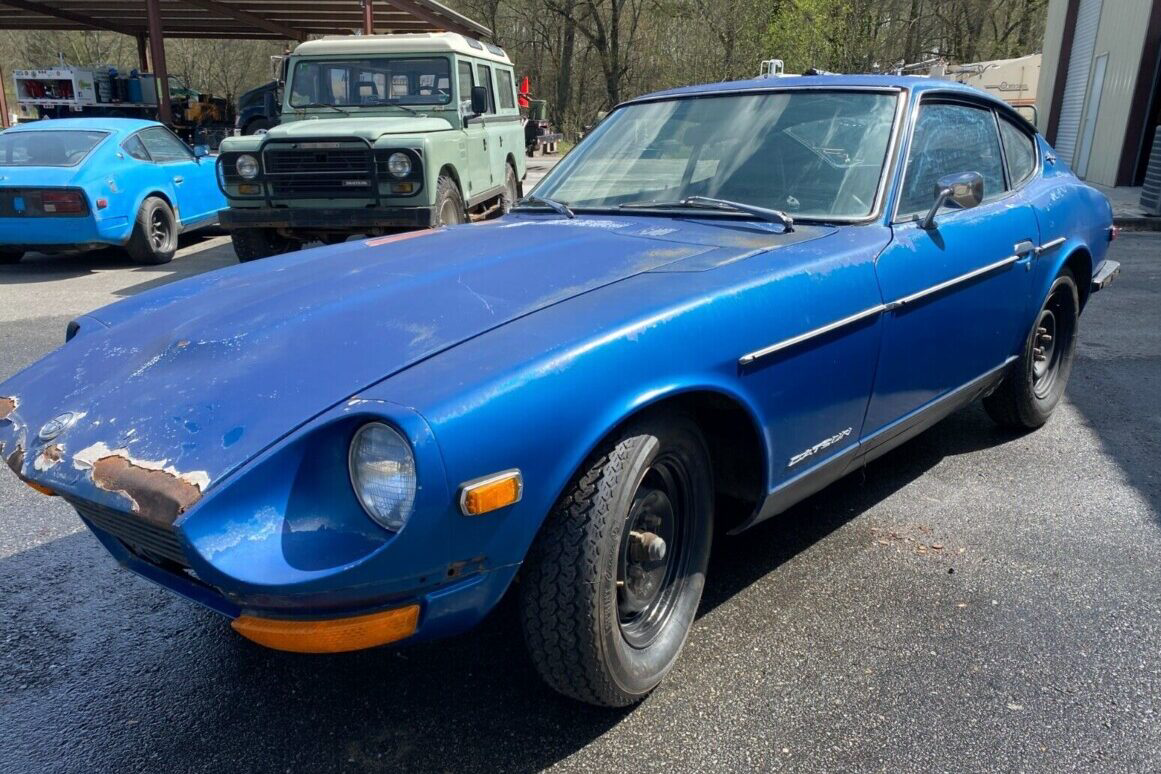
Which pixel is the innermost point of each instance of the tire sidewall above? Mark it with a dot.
(446, 189)
(637, 671)
(511, 190)
(144, 251)
(1039, 409)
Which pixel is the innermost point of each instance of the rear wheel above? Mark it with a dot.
(1036, 381)
(613, 581)
(449, 203)
(11, 256)
(154, 238)
(250, 244)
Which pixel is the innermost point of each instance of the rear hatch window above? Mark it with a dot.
(47, 148)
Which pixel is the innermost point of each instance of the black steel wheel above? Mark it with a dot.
(1035, 383)
(154, 237)
(611, 585)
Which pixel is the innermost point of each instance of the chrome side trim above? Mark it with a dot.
(787, 343)
(1047, 246)
(918, 295)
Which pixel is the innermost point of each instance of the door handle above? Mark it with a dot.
(485, 143)
(179, 180)
(1024, 247)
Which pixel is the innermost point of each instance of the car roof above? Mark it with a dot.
(914, 83)
(104, 124)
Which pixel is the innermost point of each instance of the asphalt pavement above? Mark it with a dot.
(976, 600)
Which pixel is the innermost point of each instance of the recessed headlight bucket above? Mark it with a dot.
(383, 474)
(247, 166)
(399, 164)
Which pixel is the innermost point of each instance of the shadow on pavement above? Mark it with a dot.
(41, 267)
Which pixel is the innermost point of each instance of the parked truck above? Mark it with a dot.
(377, 134)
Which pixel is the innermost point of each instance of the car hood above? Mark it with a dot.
(198, 376)
(369, 128)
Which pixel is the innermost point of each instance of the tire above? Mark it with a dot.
(258, 125)
(250, 244)
(602, 622)
(511, 190)
(11, 256)
(449, 204)
(154, 238)
(1036, 381)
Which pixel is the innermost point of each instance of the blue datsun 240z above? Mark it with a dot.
(89, 182)
(725, 298)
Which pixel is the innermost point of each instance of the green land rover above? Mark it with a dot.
(378, 134)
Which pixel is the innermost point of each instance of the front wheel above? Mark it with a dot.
(1036, 381)
(511, 190)
(449, 203)
(250, 244)
(613, 580)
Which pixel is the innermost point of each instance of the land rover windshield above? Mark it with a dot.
(811, 154)
(370, 81)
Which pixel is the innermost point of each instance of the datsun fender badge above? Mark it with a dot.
(797, 458)
(57, 425)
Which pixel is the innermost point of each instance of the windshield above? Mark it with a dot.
(47, 148)
(811, 154)
(375, 81)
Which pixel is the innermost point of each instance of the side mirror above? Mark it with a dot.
(201, 151)
(965, 190)
(479, 100)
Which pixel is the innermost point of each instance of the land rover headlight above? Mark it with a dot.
(399, 164)
(383, 474)
(247, 166)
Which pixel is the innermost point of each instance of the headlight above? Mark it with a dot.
(247, 166)
(383, 474)
(399, 164)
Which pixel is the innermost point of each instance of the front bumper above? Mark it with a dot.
(1104, 275)
(355, 221)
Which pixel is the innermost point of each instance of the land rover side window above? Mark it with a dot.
(485, 79)
(1019, 150)
(372, 81)
(505, 90)
(134, 147)
(465, 76)
(950, 139)
(163, 146)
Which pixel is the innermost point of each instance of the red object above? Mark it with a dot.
(102, 203)
(525, 92)
(62, 203)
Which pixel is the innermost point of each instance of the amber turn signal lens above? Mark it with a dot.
(491, 492)
(249, 189)
(337, 635)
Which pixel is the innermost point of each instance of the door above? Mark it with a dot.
(474, 169)
(191, 179)
(488, 179)
(954, 294)
(1090, 118)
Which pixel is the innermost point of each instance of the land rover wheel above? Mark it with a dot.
(1035, 382)
(511, 190)
(449, 204)
(154, 237)
(613, 580)
(250, 244)
(11, 256)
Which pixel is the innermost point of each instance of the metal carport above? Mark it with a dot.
(151, 21)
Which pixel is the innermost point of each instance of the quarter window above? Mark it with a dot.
(948, 140)
(134, 148)
(163, 146)
(1020, 151)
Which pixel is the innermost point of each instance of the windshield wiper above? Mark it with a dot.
(552, 204)
(322, 105)
(706, 203)
(393, 103)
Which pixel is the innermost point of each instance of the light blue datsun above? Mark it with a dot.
(725, 298)
(78, 183)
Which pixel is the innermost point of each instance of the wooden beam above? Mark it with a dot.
(70, 16)
(157, 57)
(368, 16)
(248, 18)
(142, 52)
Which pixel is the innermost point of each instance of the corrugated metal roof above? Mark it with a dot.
(258, 19)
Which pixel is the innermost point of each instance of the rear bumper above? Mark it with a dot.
(1106, 272)
(63, 233)
(355, 221)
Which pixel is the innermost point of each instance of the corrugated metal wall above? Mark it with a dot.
(1123, 26)
(1088, 21)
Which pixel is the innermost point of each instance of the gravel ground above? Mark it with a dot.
(973, 601)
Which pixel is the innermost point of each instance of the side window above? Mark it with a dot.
(465, 77)
(505, 90)
(163, 146)
(1019, 149)
(484, 74)
(950, 139)
(134, 148)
